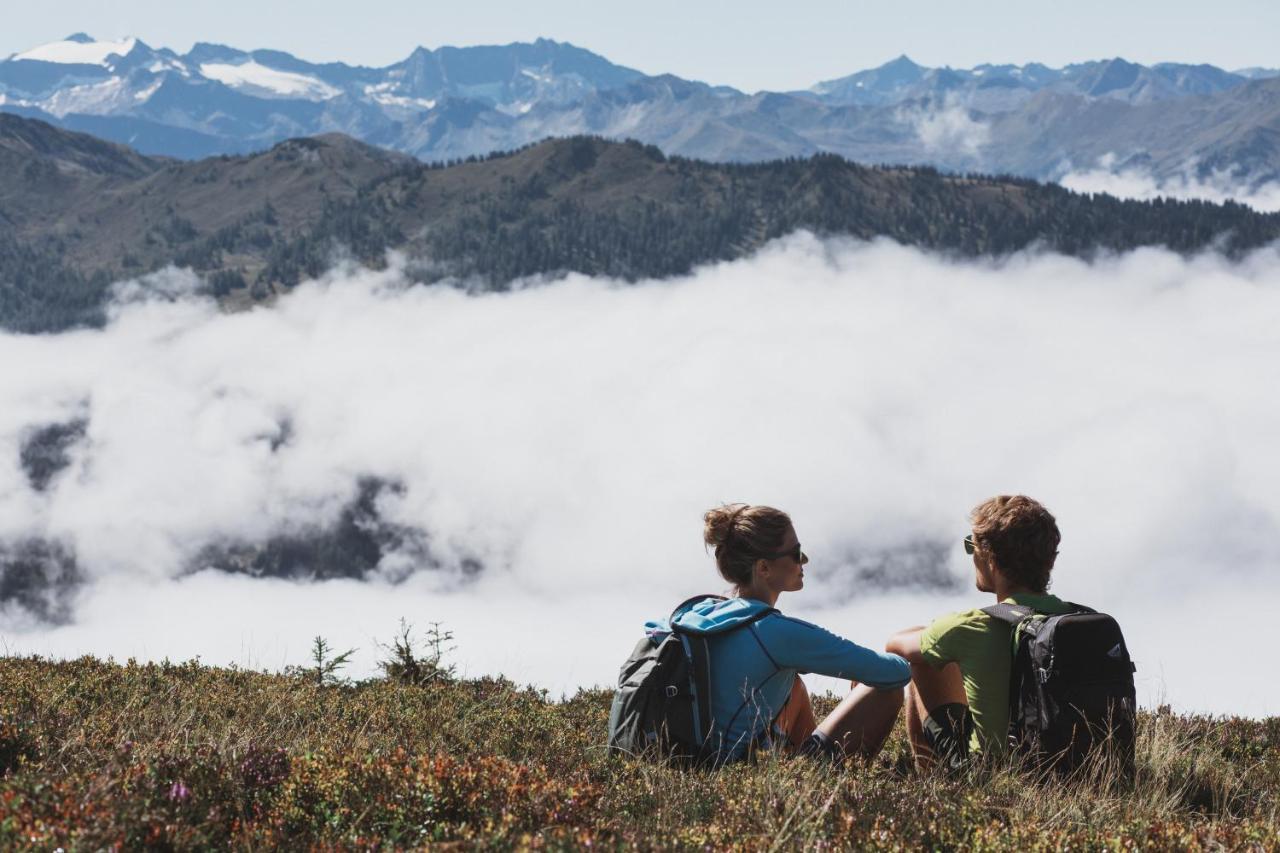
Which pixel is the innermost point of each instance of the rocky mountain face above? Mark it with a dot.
(1236, 132)
(216, 99)
(997, 88)
(453, 103)
(80, 213)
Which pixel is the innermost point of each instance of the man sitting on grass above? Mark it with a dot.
(958, 702)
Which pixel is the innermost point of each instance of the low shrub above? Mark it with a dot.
(99, 755)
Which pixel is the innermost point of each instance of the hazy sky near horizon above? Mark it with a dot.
(750, 44)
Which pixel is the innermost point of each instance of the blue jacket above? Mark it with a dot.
(752, 670)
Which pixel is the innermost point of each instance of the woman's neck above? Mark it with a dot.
(759, 592)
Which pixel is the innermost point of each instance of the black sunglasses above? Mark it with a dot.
(969, 545)
(794, 553)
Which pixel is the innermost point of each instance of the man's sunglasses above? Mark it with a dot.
(794, 553)
(969, 545)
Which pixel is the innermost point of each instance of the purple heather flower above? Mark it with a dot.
(179, 791)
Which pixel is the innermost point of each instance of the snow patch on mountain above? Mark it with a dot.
(101, 98)
(77, 51)
(143, 95)
(258, 78)
(385, 94)
(162, 65)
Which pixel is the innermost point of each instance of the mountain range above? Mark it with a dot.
(452, 103)
(78, 213)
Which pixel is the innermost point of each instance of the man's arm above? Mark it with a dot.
(906, 644)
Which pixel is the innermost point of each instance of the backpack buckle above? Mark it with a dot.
(672, 691)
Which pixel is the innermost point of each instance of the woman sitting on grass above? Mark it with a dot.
(757, 698)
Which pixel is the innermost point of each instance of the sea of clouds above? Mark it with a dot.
(567, 437)
(1190, 183)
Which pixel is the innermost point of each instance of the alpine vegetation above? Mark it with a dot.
(101, 755)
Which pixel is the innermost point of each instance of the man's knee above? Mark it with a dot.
(932, 686)
(937, 679)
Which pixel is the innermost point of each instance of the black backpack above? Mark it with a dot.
(662, 706)
(1071, 693)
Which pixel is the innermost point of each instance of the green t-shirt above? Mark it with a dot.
(983, 647)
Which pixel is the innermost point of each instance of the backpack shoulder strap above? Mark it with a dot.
(1013, 614)
(699, 657)
(1010, 614)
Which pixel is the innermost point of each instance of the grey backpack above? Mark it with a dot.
(662, 707)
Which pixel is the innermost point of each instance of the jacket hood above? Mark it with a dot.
(710, 616)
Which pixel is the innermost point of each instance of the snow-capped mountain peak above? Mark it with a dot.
(79, 49)
(253, 78)
(453, 102)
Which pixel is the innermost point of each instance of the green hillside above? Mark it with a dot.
(79, 213)
(98, 755)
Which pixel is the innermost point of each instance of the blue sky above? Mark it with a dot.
(751, 44)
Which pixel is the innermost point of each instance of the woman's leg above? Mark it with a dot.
(796, 719)
(861, 723)
(930, 690)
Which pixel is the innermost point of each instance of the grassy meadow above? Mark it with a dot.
(101, 755)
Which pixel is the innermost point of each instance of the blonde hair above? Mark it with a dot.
(741, 534)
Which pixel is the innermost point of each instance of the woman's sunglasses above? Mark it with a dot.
(969, 546)
(794, 553)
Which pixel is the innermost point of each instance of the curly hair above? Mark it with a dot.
(1021, 534)
(742, 534)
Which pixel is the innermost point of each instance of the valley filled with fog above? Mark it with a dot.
(1139, 184)
(529, 468)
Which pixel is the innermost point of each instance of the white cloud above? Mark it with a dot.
(1138, 183)
(947, 129)
(570, 435)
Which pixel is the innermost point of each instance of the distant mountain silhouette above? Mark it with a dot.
(1029, 120)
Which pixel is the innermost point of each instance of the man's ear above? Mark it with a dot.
(994, 565)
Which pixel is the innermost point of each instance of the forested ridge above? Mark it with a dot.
(78, 213)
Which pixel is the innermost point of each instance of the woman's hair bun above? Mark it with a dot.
(741, 534)
(717, 524)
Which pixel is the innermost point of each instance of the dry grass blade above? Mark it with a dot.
(100, 755)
